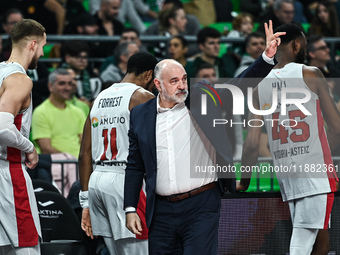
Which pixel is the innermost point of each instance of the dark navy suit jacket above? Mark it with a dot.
(142, 136)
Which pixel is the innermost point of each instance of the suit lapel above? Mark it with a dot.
(150, 124)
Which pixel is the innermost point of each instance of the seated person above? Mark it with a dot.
(255, 44)
(75, 56)
(116, 72)
(129, 34)
(177, 50)
(207, 71)
(57, 125)
(208, 40)
(192, 25)
(243, 25)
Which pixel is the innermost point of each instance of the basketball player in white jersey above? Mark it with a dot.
(300, 144)
(103, 157)
(19, 219)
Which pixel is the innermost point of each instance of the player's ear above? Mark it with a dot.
(296, 45)
(157, 84)
(33, 44)
(148, 76)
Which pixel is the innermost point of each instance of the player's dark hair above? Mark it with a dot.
(141, 62)
(206, 32)
(292, 32)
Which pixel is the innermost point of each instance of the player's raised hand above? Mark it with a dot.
(272, 40)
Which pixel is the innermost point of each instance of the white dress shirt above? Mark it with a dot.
(176, 134)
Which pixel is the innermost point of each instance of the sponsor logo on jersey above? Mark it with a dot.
(94, 122)
(266, 106)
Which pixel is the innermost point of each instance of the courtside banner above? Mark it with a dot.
(286, 115)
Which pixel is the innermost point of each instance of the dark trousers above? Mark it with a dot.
(187, 227)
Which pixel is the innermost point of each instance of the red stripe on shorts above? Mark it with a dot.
(27, 233)
(332, 177)
(330, 200)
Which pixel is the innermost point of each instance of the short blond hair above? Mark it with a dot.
(26, 28)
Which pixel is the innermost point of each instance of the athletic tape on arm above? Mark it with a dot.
(10, 135)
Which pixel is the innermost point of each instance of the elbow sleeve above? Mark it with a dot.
(10, 135)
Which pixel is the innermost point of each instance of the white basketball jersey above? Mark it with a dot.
(110, 120)
(23, 119)
(298, 141)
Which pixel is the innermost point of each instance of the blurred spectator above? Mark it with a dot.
(207, 71)
(178, 47)
(50, 13)
(243, 25)
(9, 19)
(325, 22)
(106, 18)
(57, 125)
(255, 44)
(116, 72)
(318, 54)
(204, 11)
(223, 9)
(75, 56)
(86, 24)
(81, 103)
(129, 34)
(281, 13)
(108, 23)
(299, 12)
(144, 10)
(192, 26)
(171, 22)
(208, 40)
(127, 12)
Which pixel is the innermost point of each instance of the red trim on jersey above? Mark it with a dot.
(330, 200)
(27, 232)
(325, 149)
(141, 208)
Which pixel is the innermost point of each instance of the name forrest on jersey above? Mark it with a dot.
(110, 102)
